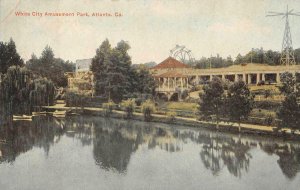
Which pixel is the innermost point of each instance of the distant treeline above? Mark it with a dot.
(259, 56)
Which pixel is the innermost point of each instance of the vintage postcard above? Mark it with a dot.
(149, 94)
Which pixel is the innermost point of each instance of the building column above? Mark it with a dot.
(263, 77)
(175, 83)
(249, 79)
(168, 83)
(181, 83)
(210, 77)
(257, 77)
(244, 77)
(236, 77)
(223, 77)
(197, 79)
(278, 78)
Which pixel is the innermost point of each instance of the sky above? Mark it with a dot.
(152, 28)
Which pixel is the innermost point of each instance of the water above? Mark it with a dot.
(97, 153)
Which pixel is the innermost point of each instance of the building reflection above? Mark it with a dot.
(114, 141)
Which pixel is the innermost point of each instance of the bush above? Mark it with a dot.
(268, 105)
(74, 99)
(269, 120)
(129, 107)
(108, 107)
(148, 107)
(171, 115)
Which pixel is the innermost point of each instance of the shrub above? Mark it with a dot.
(269, 120)
(171, 115)
(129, 107)
(108, 107)
(269, 105)
(148, 107)
(74, 99)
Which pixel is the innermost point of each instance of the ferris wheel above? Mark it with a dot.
(181, 53)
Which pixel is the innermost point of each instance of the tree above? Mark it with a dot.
(98, 65)
(289, 112)
(115, 77)
(20, 92)
(50, 67)
(145, 82)
(212, 100)
(9, 56)
(240, 101)
(289, 84)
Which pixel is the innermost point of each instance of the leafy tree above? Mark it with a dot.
(289, 112)
(50, 67)
(212, 100)
(240, 101)
(9, 56)
(112, 82)
(115, 77)
(98, 65)
(20, 93)
(289, 84)
(145, 82)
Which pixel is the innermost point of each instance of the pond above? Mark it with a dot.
(90, 153)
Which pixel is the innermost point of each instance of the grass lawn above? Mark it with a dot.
(264, 87)
(186, 106)
(262, 113)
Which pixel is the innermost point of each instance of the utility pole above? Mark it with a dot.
(287, 52)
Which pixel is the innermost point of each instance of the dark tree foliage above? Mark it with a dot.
(213, 62)
(289, 84)
(50, 67)
(145, 82)
(240, 101)
(115, 77)
(212, 99)
(98, 66)
(20, 92)
(9, 56)
(289, 111)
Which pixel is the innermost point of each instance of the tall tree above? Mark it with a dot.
(212, 100)
(289, 111)
(50, 67)
(144, 82)
(240, 101)
(9, 56)
(289, 85)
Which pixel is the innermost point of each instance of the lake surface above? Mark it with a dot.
(97, 153)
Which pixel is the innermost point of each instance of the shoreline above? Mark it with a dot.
(229, 127)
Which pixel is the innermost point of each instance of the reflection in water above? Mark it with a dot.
(289, 157)
(218, 151)
(115, 141)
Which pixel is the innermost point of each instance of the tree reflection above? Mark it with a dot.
(114, 142)
(20, 137)
(218, 151)
(289, 157)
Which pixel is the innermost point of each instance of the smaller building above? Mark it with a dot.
(82, 80)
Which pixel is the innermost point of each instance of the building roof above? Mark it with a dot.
(170, 62)
(170, 74)
(83, 64)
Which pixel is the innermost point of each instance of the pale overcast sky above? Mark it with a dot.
(152, 28)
